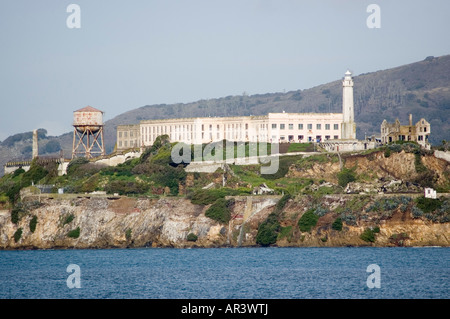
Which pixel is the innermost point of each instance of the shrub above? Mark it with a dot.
(18, 171)
(369, 234)
(17, 235)
(33, 223)
(284, 163)
(68, 219)
(75, 233)
(268, 231)
(428, 205)
(416, 212)
(34, 174)
(75, 164)
(192, 237)
(308, 220)
(337, 224)
(209, 196)
(346, 176)
(220, 210)
(18, 211)
(128, 234)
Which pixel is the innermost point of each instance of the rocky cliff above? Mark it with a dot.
(101, 222)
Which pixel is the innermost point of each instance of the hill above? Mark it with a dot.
(421, 88)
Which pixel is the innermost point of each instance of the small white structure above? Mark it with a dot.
(430, 193)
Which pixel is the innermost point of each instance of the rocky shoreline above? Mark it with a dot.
(123, 222)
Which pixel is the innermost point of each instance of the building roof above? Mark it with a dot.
(88, 109)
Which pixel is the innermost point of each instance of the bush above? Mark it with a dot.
(17, 235)
(75, 164)
(18, 171)
(346, 176)
(308, 220)
(75, 233)
(268, 231)
(128, 234)
(192, 237)
(33, 223)
(34, 174)
(126, 187)
(68, 219)
(284, 163)
(18, 211)
(428, 205)
(337, 224)
(220, 211)
(209, 196)
(369, 234)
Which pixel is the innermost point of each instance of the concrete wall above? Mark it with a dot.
(442, 155)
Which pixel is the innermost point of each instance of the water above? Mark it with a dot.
(227, 273)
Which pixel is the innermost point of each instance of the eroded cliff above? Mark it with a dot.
(167, 222)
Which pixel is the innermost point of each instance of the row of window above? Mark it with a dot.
(308, 126)
(300, 138)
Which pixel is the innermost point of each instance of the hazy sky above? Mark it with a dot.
(132, 53)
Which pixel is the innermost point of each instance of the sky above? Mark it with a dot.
(127, 54)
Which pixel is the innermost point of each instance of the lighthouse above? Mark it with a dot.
(348, 124)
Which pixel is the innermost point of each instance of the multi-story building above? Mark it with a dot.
(392, 132)
(272, 128)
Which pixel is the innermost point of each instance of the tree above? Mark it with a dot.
(346, 176)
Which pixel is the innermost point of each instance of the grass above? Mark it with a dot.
(300, 147)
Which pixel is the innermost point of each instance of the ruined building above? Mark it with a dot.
(419, 132)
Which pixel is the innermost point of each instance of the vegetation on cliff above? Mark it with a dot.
(399, 169)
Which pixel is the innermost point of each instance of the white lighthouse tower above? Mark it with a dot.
(348, 124)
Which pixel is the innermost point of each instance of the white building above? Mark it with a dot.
(273, 127)
(430, 193)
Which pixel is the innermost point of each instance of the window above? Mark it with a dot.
(327, 137)
(120, 134)
(273, 125)
(336, 137)
(309, 126)
(281, 126)
(318, 138)
(420, 137)
(425, 129)
(291, 126)
(300, 126)
(246, 126)
(300, 137)
(336, 126)
(282, 137)
(319, 126)
(327, 126)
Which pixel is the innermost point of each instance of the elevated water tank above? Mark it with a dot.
(88, 119)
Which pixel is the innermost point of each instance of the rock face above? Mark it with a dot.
(167, 222)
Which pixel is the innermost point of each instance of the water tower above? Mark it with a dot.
(88, 133)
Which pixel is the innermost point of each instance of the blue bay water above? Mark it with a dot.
(227, 273)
